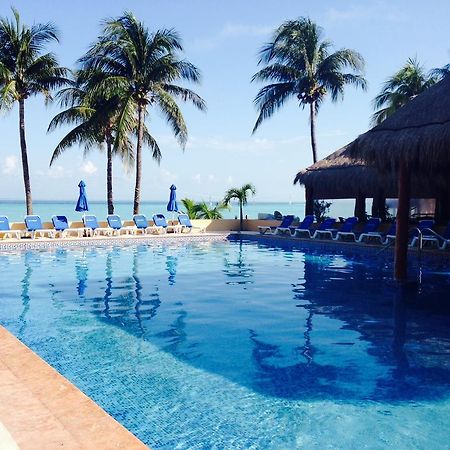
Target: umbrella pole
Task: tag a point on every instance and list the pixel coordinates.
(401, 238)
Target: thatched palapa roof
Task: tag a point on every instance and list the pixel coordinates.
(418, 133)
(341, 176)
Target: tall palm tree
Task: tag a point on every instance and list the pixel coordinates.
(25, 71)
(299, 63)
(145, 67)
(99, 120)
(241, 195)
(400, 88)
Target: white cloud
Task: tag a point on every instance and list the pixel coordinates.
(10, 165)
(232, 31)
(211, 177)
(88, 168)
(197, 178)
(167, 176)
(377, 10)
(239, 30)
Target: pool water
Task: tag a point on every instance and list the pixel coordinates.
(240, 345)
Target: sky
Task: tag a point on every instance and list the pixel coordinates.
(222, 39)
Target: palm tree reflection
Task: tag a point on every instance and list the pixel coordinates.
(239, 271)
(25, 294)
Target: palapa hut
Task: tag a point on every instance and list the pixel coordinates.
(415, 140)
(340, 176)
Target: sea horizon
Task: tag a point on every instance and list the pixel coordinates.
(15, 210)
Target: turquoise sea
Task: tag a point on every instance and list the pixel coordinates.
(15, 210)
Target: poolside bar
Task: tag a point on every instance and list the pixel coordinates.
(413, 143)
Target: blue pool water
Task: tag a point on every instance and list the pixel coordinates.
(240, 345)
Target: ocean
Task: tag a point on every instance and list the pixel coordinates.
(15, 210)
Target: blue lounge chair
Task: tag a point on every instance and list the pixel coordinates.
(326, 225)
(425, 227)
(90, 222)
(143, 226)
(283, 228)
(160, 221)
(35, 228)
(347, 227)
(380, 238)
(435, 239)
(185, 222)
(5, 229)
(303, 230)
(325, 229)
(371, 226)
(115, 223)
(445, 238)
(61, 225)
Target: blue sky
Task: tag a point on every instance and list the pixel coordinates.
(222, 39)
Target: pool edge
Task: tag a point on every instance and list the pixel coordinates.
(41, 409)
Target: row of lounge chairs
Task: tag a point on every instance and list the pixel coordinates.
(370, 232)
(61, 228)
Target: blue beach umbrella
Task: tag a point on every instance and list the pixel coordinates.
(82, 203)
(172, 205)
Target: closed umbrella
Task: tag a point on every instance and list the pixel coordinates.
(172, 206)
(82, 203)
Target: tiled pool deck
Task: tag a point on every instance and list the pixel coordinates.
(40, 409)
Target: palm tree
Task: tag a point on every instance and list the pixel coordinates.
(299, 63)
(400, 88)
(191, 208)
(25, 71)
(210, 212)
(98, 120)
(144, 66)
(240, 194)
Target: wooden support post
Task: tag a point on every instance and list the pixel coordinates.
(360, 207)
(309, 202)
(379, 205)
(401, 238)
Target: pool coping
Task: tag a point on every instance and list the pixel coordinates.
(41, 409)
(71, 242)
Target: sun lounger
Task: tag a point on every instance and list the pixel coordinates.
(347, 229)
(378, 237)
(371, 226)
(303, 229)
(283, 228)
(115, 223)
(424, 227)
(445, 238)
(143, 226)
(35, 228)
(326, 230)
(61, 225)
(326, 225)
(5, 229)
(370, 230)
(435, 239)
(160, 221)
(90, 222)
(185, 222)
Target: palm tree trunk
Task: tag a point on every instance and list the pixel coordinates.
(312, 113)
(241, 216)
(137, 188)
(109, 176)
(23, 148)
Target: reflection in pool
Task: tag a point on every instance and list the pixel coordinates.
(239, 344)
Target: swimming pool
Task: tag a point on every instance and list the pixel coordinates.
(241, 344)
